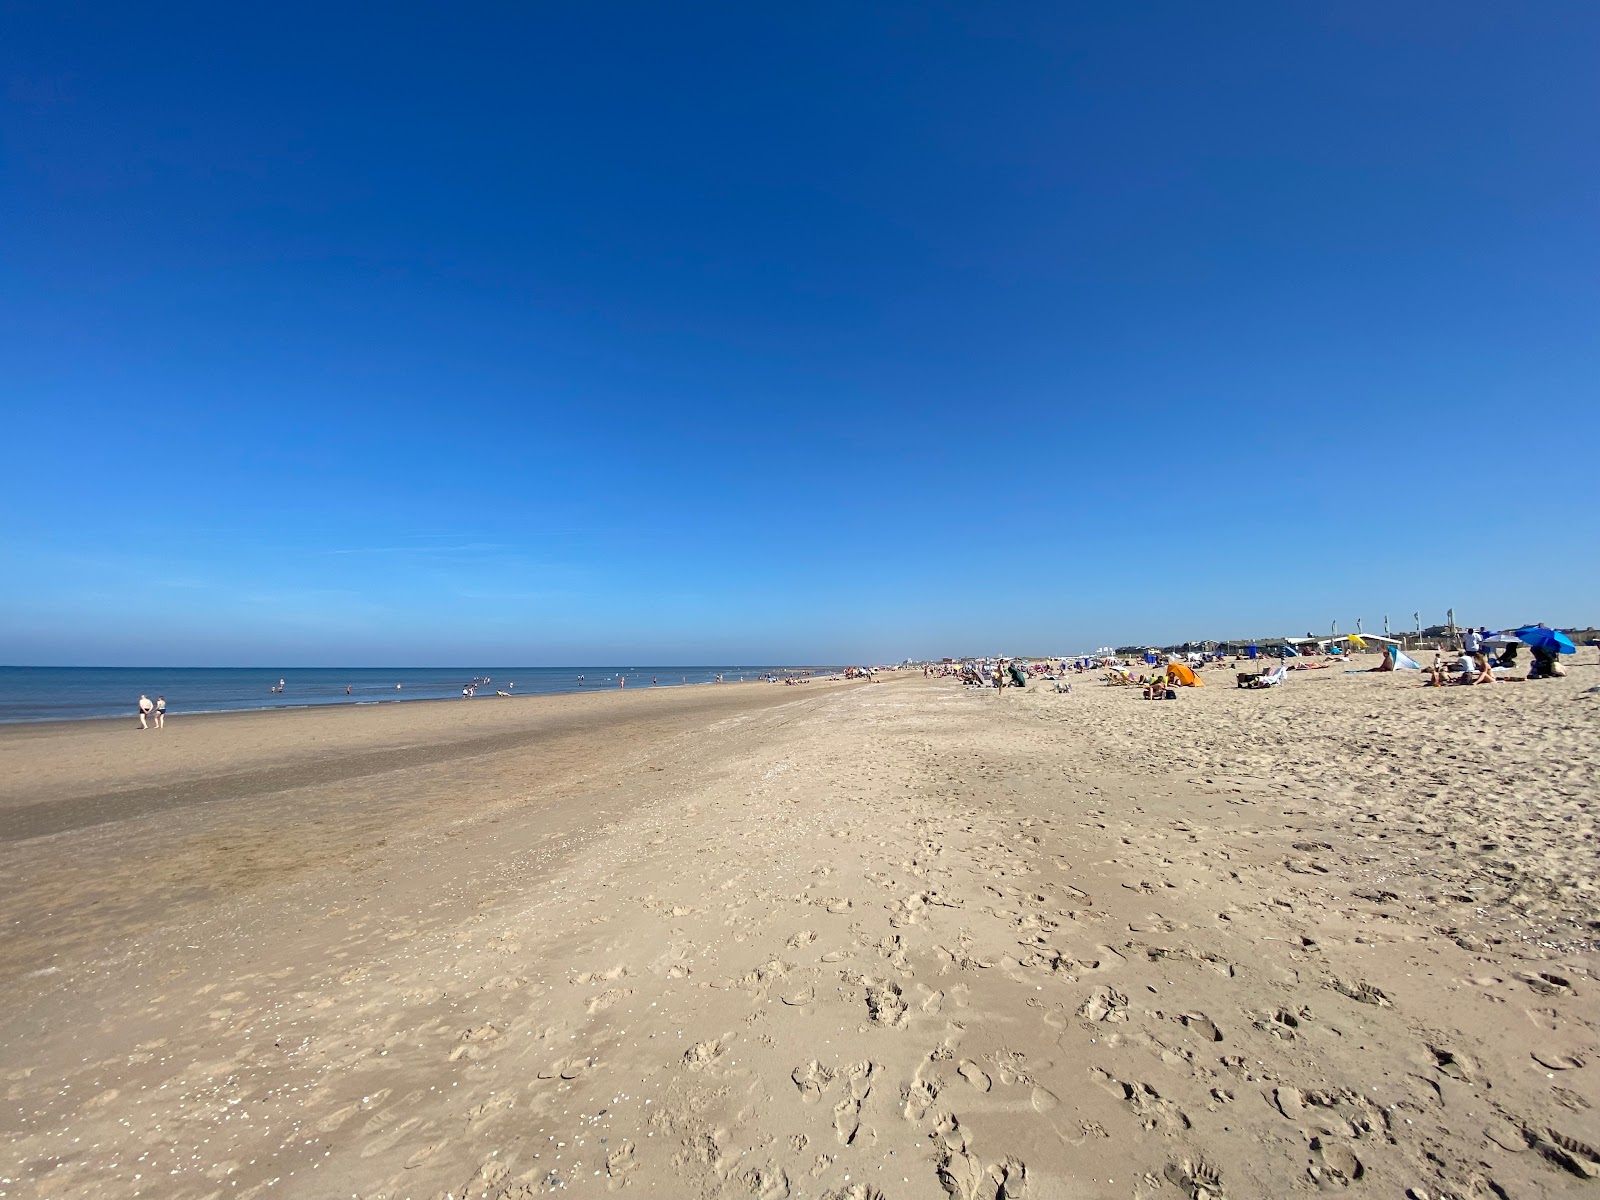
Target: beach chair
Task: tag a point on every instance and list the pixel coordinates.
(1273, 678)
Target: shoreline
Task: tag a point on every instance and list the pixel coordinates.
(335, 702)
(350, 702)
(92, 765)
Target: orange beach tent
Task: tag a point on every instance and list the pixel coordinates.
(1179, 673)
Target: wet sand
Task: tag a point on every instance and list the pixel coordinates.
(891, 940)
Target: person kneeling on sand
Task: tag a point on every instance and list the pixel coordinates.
(1160, 690)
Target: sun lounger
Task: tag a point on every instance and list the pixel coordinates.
(1271, 678)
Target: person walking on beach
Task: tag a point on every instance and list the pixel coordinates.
(161, 712)
(145, 708)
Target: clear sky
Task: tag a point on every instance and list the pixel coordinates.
(587, 333)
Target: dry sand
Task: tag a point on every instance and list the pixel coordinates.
(860, 941)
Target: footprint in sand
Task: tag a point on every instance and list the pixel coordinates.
(704, 1055)
(1338, 1161)
(1364, 992)
(1556, 1061)
(1105, 1004)
(337, 1118)
(607, 998)
(847, 1113)
(1458, 1066)
(1580, 1158)
(847, 1120)
(427, 1152)
(489, 1108)
(386, 1141)
(963, 1177)
(975, 1075)
(492, 1172)
(1196, 1178)
(1548, 985)
(620, 1163)
(610, 976)
(885, 1004)
(1199, 1023)
(861, 1075)
(1154, 1113)
(812, 1079)
(1291, 1102)
(566, 1068)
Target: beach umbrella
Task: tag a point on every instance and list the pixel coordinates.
(1502, 639)
(1540, 638)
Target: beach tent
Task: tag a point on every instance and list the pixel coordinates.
(1289, 651)
(1400, 661)
(1180, 673)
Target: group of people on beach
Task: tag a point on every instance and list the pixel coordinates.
(149, 711)
(1484, 661)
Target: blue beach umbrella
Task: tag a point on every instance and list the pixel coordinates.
(1541, 638)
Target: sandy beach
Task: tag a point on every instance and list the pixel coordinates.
(853, 941)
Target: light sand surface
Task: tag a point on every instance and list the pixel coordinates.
(845, 941)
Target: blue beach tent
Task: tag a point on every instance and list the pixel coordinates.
(1403, 661)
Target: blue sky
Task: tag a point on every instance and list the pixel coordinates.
(755, 333)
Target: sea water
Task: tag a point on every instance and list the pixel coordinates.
(75, 693)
